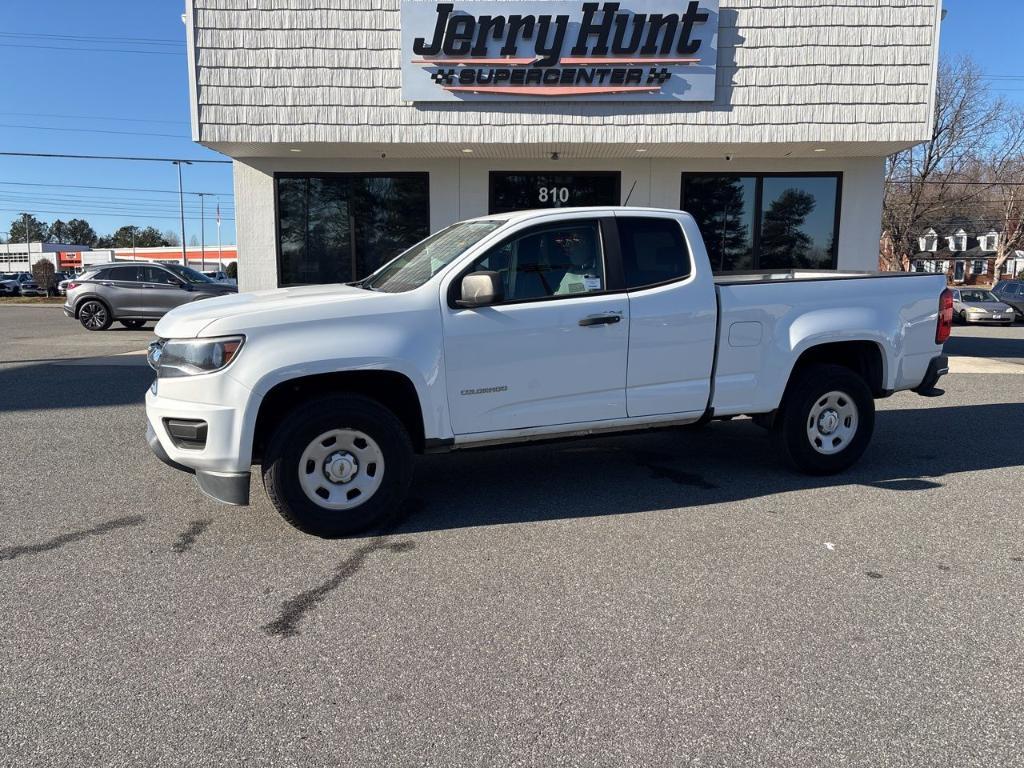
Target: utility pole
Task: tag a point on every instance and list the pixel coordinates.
(28, 244)
(220, 250)
(181, 211)
(135, 256)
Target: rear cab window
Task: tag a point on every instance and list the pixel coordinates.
(653, 250)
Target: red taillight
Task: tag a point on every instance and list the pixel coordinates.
(945, 324)
(71, 286)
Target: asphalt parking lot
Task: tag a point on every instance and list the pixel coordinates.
(669, 599)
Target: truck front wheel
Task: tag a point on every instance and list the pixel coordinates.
(338, 465)
(826, 420)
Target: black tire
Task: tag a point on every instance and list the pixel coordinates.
(132, 324)
(806, 395)
(299, 431)
(94, 315)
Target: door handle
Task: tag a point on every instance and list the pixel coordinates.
(609, 319)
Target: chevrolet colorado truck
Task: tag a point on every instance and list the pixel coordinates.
(520, 327)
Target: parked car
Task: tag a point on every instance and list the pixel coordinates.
(220, 276)
(9, 285)
(1011, 292)
(62, 285)
(132, 293)
(58, 278)
(527, 326)
(976, 305)
(22, 284)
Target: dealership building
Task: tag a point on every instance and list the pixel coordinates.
(358, 127)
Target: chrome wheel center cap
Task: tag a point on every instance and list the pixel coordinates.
(341, 467)
(828, 421)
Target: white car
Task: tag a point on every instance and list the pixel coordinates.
(980, 305)
(526, 326)
(219, 276)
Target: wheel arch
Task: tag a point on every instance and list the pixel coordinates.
(394, 390)
(865, 357)
(93, 297)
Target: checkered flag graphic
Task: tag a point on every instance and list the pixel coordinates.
(443, 76)
(658, 76)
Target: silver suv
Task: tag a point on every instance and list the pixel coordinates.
(132, 293)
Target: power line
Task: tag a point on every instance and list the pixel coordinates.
(91, 50)
(100, 38)
(113, 157)
(190, 217)
(93, 117)
(97, 130)
(114, 189)
(156, 206)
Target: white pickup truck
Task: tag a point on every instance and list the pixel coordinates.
(526, 326)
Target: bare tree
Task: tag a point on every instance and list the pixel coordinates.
(925, 184)
(1001, 178)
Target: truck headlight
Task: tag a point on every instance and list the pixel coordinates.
(190, 357)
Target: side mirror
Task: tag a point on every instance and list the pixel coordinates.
(481, 289)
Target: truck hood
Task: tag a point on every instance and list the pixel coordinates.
(235, 313)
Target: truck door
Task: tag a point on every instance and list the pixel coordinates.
(673, 316)
(554, 352)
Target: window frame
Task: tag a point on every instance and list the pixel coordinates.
(607, 238)
(491, 178)
(278, 175)
(759, 177)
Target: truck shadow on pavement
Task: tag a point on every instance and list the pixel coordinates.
(911, 452)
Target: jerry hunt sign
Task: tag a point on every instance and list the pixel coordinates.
(479, 50)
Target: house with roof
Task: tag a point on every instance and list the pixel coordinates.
(964, 259)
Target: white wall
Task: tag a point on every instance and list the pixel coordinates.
(459, 190)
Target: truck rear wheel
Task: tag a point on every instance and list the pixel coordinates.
(826, 420)
(338, 465)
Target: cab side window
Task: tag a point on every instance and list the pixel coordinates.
(123, 274)
(157, 275)
(653, 251)
(552, 261)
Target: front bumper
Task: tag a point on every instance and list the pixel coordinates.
(220, 469)
(225, 487)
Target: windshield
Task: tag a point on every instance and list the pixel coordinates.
(979, 296)
(186, 274)
(415, 266)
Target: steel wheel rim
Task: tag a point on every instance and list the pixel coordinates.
(832, 423)
(341, 469)
(95, 315)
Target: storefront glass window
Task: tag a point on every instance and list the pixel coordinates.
(335, 228)
(724, 206)
(520, 191)
(769, 221)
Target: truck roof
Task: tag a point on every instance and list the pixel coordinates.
(532, 213)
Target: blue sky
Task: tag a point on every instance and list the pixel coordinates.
(83, 92)
(63, 100)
